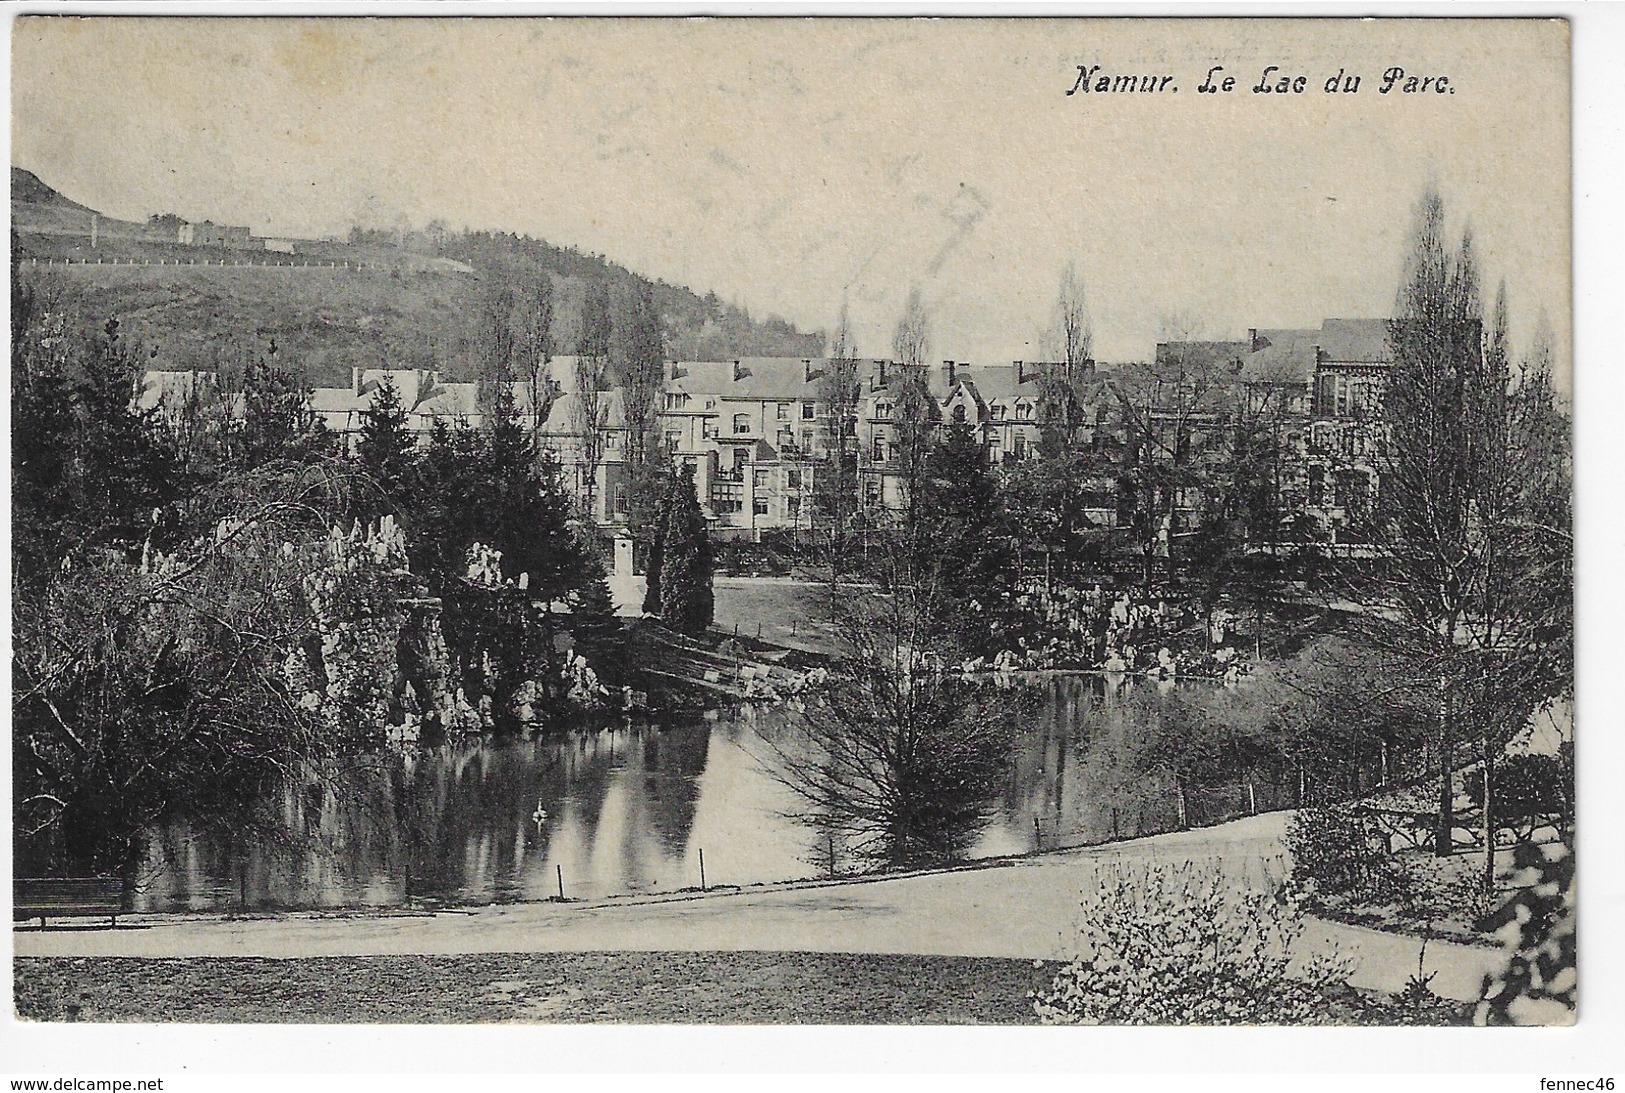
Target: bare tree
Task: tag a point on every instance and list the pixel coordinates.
(592, 381)
(897, 755)
(1062, 377)
(1475, 505)
(497, 346)
(916, 411)
(837, 484)
(536, 343)
(1071, 334)
(1170, 410)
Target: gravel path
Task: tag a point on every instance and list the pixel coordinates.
(1022, 909)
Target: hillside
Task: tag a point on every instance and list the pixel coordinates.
(413, 302)
(27, 188)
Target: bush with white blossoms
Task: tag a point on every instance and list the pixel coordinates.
(1185, 944)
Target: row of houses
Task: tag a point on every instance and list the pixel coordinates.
(758, 432)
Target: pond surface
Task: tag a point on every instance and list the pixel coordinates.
(630, 809)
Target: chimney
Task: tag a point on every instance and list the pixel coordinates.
(1315, 350)
(355, 380)
(1020, 371)
(882, 380)
(948, 374)
(739, 371)
(1088, 366)
(1252, 339)
(806, 370)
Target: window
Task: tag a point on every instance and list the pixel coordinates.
(792, 507)
(676, 400)
(761, 477)
(1021, 447)
(620, 499)
(809, 410)
(792, 479)
(725, 497)
(883, 409)
(1024, 410)
(879, 452)
(674, 439)
(783, 411)
(993, 449)
(1325, 396)
(741, 424)
(741, 457)
(959, 413)
(759, 506)
(708, 429)
(998, 412)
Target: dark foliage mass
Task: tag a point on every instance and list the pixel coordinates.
(191, 619)
(1336, 853)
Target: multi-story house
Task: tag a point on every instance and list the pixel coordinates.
(1318, 393)
(755, 431)
(758, 434)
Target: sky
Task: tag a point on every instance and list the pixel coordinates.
(792, 164)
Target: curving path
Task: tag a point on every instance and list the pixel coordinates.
(1022, 908)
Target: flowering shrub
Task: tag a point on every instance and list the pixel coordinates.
(1537, 925)
(1187, 945)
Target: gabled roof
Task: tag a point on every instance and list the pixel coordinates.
(997, 382)
(783, 379)
(972, 392)
(1356, 341)
(421, 395)
(1281, 356)
(561, 415)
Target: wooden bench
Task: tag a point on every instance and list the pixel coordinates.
(67, 897)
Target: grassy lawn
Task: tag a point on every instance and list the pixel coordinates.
(1443, 899)
(640, 988)
(563, 988)
(791, 614)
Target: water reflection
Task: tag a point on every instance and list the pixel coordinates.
(627, 810)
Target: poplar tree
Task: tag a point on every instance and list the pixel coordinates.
(1475, 503)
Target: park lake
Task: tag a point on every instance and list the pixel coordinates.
(628, 808)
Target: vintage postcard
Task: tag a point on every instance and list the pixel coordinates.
(792, 521)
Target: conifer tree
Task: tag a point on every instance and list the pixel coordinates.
(597, 630)
(277, 419)
(384, 451)
(686, 600)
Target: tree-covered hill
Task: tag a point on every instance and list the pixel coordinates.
(416, 301)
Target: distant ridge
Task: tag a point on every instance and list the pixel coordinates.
(195, 307)
(27, 188)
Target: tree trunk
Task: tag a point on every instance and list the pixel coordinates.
(1489, 819)
(1444, 827)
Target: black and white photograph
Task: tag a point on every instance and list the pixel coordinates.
(792, 521)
